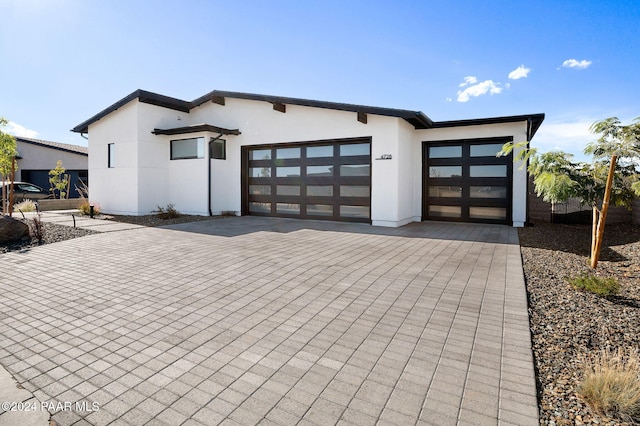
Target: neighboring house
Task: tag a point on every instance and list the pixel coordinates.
(37, 157)
(248, 154)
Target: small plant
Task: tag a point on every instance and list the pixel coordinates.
(36, 228)
(601, 286)
(168, 212)
(85, 208)
(611, 384)
(59, 181)
(85, 205)
(25, 206)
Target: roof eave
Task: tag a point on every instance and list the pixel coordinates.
(536, 121)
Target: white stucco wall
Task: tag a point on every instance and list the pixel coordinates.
(115, 189)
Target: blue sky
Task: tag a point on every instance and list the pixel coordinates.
(576, 61)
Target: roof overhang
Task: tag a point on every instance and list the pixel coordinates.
(416, 118)
(142, 96)
(195, 128)
(533, 122)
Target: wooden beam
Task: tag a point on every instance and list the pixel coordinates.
(279, 107)
(217, 100)
(362, 117)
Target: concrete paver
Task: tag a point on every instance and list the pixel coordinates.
(262, 320)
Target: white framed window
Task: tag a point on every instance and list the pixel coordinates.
(111, 155)
(185, 149)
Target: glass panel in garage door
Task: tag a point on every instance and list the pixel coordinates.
(488, 171)
(260, 154)
(488, 213)
(320, 151)
(355, 170)
(255, 207)
(445, 171)
(485, 150)
(320, 190)
(319, 210)
(320, 170)
(445, 211)
(354, 149)
(451, 151)
(354, 211)
(488, 192)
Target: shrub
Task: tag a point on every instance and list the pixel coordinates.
(85, 207)
(25, 206)
(168, 212)
(36, 228)
(600, 286)
(611, 384)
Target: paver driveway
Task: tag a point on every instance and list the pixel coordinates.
(273, 321)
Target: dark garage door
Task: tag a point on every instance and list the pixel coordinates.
(464, 181)
(328, 180)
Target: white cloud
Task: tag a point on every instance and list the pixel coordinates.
(520, 72)
(574, 63)
(468, 80)
(487, 86)
(16, 129)
(448, 99)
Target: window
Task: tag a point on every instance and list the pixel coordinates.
(218, 149)
(183, 149)
(111, 153)
(445, 151)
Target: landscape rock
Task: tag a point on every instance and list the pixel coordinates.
(12, 229)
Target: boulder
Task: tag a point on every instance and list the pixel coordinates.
(12, 229)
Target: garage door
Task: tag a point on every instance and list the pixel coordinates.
(464, 181)
(328, 180)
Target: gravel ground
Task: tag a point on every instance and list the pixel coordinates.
(567, 324)
(154, 220)
(52, 233)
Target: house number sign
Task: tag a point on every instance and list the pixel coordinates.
(385, 157)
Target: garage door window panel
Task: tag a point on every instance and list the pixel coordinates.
(324, 151)
(349, 150)
(320, 210)
(485, 150)
(287, 171)
(319, 171)
(287, 153)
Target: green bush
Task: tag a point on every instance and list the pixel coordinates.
(25, 206)
(168, 212)
(600, 286)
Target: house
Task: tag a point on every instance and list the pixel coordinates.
(249, 154)
(37, 157)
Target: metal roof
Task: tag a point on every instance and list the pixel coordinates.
(76, 149)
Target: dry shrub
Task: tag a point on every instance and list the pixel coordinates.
(25, 206)
(611, 384)
(85, 208)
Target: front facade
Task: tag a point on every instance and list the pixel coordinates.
(246, 154)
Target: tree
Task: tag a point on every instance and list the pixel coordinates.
(8, 152)
(612, 177)
(59, 181)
